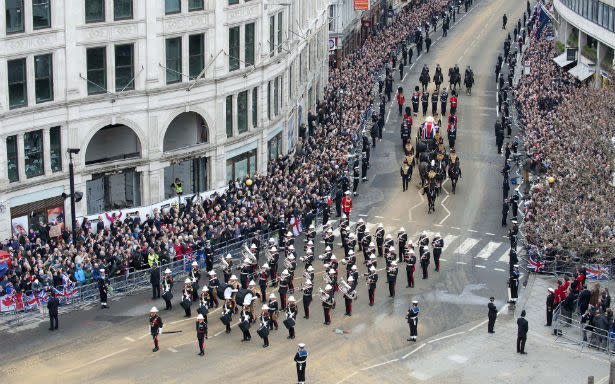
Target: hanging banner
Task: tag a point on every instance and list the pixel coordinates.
(19, 224)
(361, 5)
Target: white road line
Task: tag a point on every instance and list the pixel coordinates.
(471, 230)
(224, 330)
(455, 227)
(466, 245)
(388, 114)
(378, 365)
(141, 337)
(448, 213)
(438, 225)
(448, 239)
(490, 234)
(404, 79)
(462, 263)
(478, 325)
(379, 217)
(347, 377)
(363, 215)
(441, 259)
(505, 256)
(480, 266)
(499, 269)
(445, 337)
(172, 349)
(488, 250)
(96, 360)
(129, 339)
(414, 350)
(182, 320)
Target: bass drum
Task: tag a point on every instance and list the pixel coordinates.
(243, 297)
(221, 289)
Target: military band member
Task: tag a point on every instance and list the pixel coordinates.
(186, 302)
(349, 261)
(392, 278)
(308, 259)
(327, 303)
(273, 263)
(360, 232)
(333, 279)
(372, 279)
(195, 276)
(300, 361)
(307, 298)
(329, 238)
(227, 312)
(201, 333)
(402, 238)
(350, 243)
(245, 270)
(284, 281)
(291, 313)
(388, 242)
(437, 243)
(425, 260)
(236, 287)
(423, 242)
(227, 270)
(310, 273)
(390, 257)
(245, 318)
(348, 295)
(263, 281)
(204, 303)
(291, 273)
(413, 320)
(367, 243)
(155, 326)
(213, 286)
(380, 239)
(273, 310)
(410, 267)
(263, 328)
(372, 261)
(167, 289)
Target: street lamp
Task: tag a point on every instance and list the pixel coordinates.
(74, 196)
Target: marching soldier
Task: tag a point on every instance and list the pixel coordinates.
(244, 273)
(354, 274)
(360, 232)
(410, 267)
(425, 101)
(245, 318)
(274, 311)
(454, 103)
(348, 295)
(264, 321)
(434, 103)
(513, 283)
(227, 313)
(423, 242)
(443, 101)
(204, 303)
(451, 131)
(350, 261)
(155, 326)
(291, 317)
(347, 205)
(201, 333)
(167, 287)
(402, 239)
(284, 281)
(195, 276)
(186, 302)
(380, 238)
(425, 262)
(213, 286)
(405, 174)
(227, 270)
(437, 244)
(413, 320)
(300, 361)
(329, 238)
(307, 298)
(416, 96)
(273, 263)
(263, 281)
(372, 278)
(388, 242)
(392, 278)
(327, 303)
(291, 272)
(103, 288)
(356, 177)
(367, 243)
(333, 279)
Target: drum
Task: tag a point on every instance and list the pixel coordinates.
(243, 297)
(186, 303)
(289, 323)
(226, 319)
(244, 326)
(203, 310)
(263, 331)
(167, 296)
(221, 289)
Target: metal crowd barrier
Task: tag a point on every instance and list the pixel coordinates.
(587, 337)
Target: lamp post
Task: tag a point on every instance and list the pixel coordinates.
(71, 175)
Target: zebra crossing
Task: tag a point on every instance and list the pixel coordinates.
(461, 246)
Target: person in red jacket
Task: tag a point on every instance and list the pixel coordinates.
(347, 205)
(454, 103)
(401, 99)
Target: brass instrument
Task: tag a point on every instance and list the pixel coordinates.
(324, 297)
(247, 254)
(269, 256)
(347, 290)
(326, 278)
(369, 279)
(287, 263)
(306, 274)
(226, 268)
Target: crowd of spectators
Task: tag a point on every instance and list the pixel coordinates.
(295, 185)
(568, 131)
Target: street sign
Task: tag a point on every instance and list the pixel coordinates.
(361, 5)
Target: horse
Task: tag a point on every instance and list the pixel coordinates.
(440, 176)
(431, 189)
(424, 79)
(437, 78)
(468, 81)
(453, 173)
(423, 171)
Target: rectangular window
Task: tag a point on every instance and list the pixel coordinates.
(196, 50)
(290, 81)
(269, 100)
(242, 112)
(229, 116)
(122, 9)
(275, 147)
(172, 6)
(97, 70)
(249, 44)
(174, 60)
(280, 32)
(241, 165)
(11, 157)
(233, 2)
(55, 149)
(276, 96)
(271, 36)
(94, 11)
(41, 14)
(331, 18)
(14, 16)
(124, 68)
(195, 5)
(233, 48)
(17, 83)
(255, 107)
(43, 78)
(33, 153)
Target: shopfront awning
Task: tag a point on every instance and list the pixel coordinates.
(582, 71)
(562, 61)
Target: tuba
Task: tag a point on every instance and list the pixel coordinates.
(247, 254)
(324, 297)
(347, 290)
(226, 268)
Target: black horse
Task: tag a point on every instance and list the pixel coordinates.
(453, 173)
(437, 78)
(424, 171)
(431, 189)
(468, 82)
(424, 79)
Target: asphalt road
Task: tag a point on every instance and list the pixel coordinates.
(114, 345)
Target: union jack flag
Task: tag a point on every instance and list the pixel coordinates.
(535, 265)
(67, 292)
(43, 297)
(428, 130)
(32, 301)
(597, 271)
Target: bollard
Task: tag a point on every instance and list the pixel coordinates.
(590, 380)
(612, 373)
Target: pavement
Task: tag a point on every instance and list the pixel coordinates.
(113, 345)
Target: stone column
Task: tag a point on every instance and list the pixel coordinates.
(46, 152)
(600, 54)
(21, 164)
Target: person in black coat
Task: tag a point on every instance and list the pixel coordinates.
(550, 303)
(492, 315)
(52, 306)
(154, 279)
(583, 302)
(522, 328)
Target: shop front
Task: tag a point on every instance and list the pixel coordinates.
(30, 210)
(241, 162)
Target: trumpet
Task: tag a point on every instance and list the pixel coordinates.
(347, 290)
(325, 297)
(304, 287)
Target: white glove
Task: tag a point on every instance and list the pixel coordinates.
(160, 330)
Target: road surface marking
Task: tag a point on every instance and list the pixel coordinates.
(445, 337)
(438, 225)
(499, 269)
(224, 330)
(141, 337)
(480, 266)
(448, 213)
(347, 377)
(96, 360)
(471, 230)
(455, 227)
(378, 365)
(488, 250)
(388, 114)
(363, 215)
(466, 245)
(414, 350)
(129, 339)
(489, 233)
(448, 239)
(379, 217)
(478, 325)
(462, 263)
(441, 259)
(505, 256)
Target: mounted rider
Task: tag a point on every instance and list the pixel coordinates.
(454, 162)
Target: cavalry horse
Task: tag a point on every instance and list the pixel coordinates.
(453, 173)
(431, 189)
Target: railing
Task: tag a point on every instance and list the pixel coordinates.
(567, 327)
